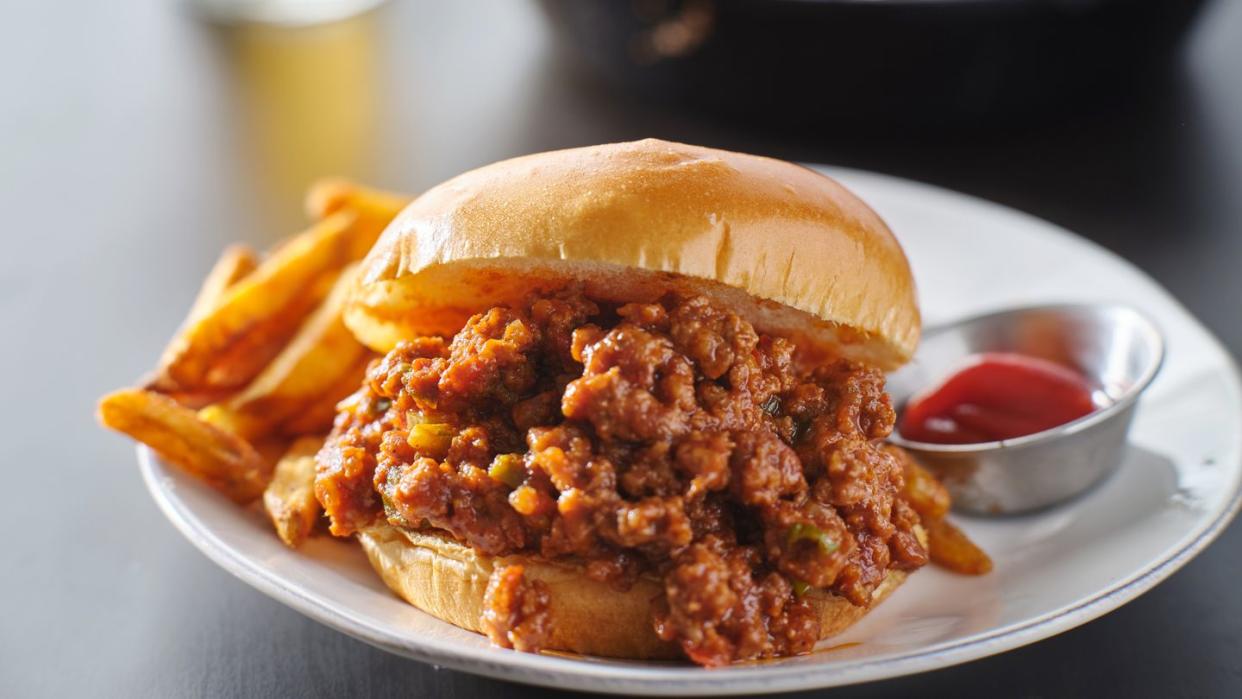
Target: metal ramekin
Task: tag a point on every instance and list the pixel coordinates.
(1115, 347)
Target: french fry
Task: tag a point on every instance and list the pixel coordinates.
(322, 353)
(925, 494)
(922, 490)
(375, 208)
(220, 416)
(272, 448)
(317, 416)
(329, 195)
(223, 460)
(234, 264)
(290, 498)
(261, 311)
(951, 548)
(190, 399)
(254, 350)
(948, 546)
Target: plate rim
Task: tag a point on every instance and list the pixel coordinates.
(569, 673)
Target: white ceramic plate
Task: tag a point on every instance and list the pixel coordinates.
(1176, 490)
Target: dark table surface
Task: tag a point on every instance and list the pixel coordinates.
(135, 141)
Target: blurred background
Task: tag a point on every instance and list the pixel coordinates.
(138, 137)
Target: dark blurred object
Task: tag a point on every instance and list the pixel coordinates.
(915, 62)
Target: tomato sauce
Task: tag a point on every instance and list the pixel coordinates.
(997, 396)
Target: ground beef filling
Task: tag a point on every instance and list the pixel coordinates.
(669, 438)
(516, 610)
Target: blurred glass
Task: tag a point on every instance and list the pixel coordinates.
(286, 12)
(307, 108)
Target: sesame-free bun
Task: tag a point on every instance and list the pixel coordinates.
(447, 580)
(790, 250)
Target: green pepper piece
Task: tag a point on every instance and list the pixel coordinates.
(507, 469)
(809, 532)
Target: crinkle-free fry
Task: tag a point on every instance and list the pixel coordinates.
(220, 458)
(375, 208)
(253, 351)
(320, 356)
(331, 194)
(951, 548)
(317, 416)
(926, 494)
(262, 309)
(290, 498)
(237, 261)
(232, 266)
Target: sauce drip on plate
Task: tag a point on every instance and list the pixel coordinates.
(998, 395)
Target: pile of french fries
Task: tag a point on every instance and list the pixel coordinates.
(247, 388)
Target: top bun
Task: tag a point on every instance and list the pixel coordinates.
(788, 249)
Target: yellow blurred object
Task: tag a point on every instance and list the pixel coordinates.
(308, 103)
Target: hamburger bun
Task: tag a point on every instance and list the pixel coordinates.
(447, 580)
(788, 249)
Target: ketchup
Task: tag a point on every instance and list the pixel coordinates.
(999, 395)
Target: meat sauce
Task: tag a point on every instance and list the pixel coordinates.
(667, 438)
(516, 609)
(997, 395)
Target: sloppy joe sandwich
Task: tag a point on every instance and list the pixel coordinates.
(630, 402)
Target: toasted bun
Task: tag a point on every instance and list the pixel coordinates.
(447, 580)
(788, 249)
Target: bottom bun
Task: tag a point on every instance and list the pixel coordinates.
(447, 580)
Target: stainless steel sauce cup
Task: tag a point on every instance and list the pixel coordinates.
(1116, 348)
